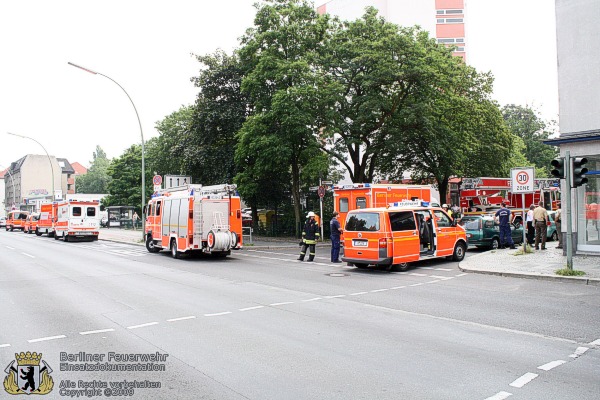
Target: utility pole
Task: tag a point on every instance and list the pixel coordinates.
(569, 214)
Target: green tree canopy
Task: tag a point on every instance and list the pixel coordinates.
(97, 178)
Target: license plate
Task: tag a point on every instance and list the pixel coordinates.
(360, 243)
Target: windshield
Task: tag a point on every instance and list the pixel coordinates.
(471, 224)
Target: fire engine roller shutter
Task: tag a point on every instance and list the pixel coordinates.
(183, 218)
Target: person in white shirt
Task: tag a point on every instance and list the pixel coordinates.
(530, 225)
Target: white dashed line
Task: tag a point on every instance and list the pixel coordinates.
(500, 396)
(217, 314)
(142, 325)
(579, 351)
(282, 304)
(358, 293)
(10, 248)
(437, 276)
(447, 278)
(436, 281)
(251, 308)
(595, 342)
(524, 380)
(461, 274)
(550, 365)
(47, 338)
(416, 284)
(426, 268)
(444, 269)
(313, 299)
(181, 318)
(417, 274)
(97, 331)
(379, 290)
(5, 345)
(28, 255)
(397, 287)
(337, 296)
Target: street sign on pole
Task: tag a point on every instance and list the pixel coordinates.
(522, 179)
(157, 180)
(321, 191)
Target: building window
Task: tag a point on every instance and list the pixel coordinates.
(450, 21)
(454, 11)
(445, 40)
(440, 21)
(460, 49)
(460, 40)
(439, 11)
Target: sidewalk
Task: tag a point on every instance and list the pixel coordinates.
(537, 265)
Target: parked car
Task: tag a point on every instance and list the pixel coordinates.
(552, 233)
(2, 222)
(483, 232)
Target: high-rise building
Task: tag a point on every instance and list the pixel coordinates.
(443, 19)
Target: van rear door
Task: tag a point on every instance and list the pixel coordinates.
(361, 236)
(405, 236)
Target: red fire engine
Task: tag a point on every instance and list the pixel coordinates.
(481, 195)
(194, 218)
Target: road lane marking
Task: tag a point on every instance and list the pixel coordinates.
(437, 276)
(28, 255)
(181, 318)
(46, 338)
(10, 248)
(142, 325)
(524, 380)
(5, 345)
(281, 304)
(417, 274)
(500, 396)
(358, 293)
(444, 269)
(436, 281)
(96, 331)
(217, 314)
(550, 365)
(461, 274)
(251, 308)
(397, 287)
(579, 351)
(595, 342)
(379, 290)
(426, 268)
(416, 284)
(337, 296)
(313, 299)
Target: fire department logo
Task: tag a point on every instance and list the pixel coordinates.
(28, 377)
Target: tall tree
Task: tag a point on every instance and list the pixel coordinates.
(97, 179)
(526, 123)
(281, 82)
(125, 188)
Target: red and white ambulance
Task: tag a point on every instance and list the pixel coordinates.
(194, 218)
(77, 219)
(47, 219)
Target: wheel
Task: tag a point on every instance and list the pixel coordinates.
(174, 252)
(495, 244)
(150, 246)
(459, 251)
(361, 266)
(55, 236)
(403, 267)
(38, 233)
(555, 236)
(65, 238)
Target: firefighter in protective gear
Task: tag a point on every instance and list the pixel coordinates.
(310, 234)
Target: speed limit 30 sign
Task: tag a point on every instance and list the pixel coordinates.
(522, 179)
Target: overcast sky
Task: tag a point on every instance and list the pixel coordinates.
(146, 47)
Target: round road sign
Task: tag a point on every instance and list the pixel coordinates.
(157, 179)
(321, 191)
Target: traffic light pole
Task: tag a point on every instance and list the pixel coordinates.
(569, 217)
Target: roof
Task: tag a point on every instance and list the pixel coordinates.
(585, 136)
(79, 169)
(2, 173)
(65, 165)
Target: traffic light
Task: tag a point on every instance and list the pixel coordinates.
(559, 168)
(579, 171)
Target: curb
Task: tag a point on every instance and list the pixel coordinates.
(569, 279)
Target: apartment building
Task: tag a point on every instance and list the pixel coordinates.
(443, 19)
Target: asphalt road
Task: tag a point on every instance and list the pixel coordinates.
(260, 325)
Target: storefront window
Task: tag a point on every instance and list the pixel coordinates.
(588, 212)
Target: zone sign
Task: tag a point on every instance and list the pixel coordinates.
(522, 179)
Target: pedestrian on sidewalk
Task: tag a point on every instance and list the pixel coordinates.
(540, 215)
(336, 231)
(310, 234)
(135, 219)
(530, 225)
(557, 221)
(503, 218)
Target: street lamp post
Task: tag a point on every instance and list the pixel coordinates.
(49, 159)
(141, 133)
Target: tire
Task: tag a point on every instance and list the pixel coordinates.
(403, 267)
(174, 253)
(65, 238)
(361, 266)
(150, 246)
(495, 244)
(55, 236)
(459, 251)
(554, 236)
(38, 233)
